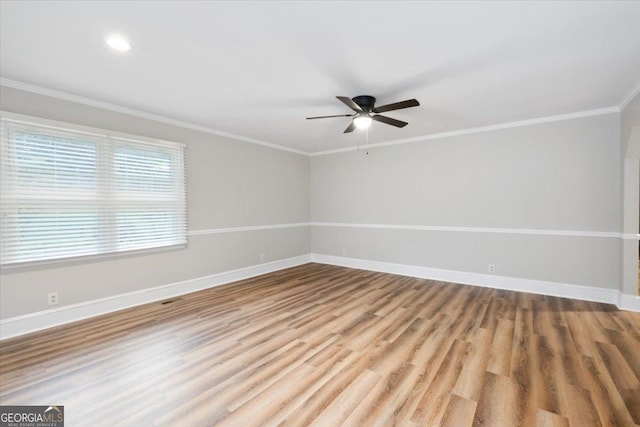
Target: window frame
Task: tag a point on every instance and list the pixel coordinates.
(15, 121)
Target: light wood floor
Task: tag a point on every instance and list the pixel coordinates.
(327, 346)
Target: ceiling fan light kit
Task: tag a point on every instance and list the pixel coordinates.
(362, 121)
(365, 112)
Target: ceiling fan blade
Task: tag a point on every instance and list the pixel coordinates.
(327, 117)
(397, 106)
(349, 103)
(350, 128)
(389, 121)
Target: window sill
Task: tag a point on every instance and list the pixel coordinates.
(85, 259)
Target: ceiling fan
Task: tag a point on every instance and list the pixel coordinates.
(366, 112)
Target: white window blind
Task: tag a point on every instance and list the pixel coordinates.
(67, 193)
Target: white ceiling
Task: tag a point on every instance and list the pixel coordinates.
(257, 69)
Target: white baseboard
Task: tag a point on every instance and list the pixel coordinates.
(629, 302)
(32, 322)
(565, 290)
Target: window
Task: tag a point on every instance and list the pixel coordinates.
(67, 193)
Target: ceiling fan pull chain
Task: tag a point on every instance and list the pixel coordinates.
(367, 145)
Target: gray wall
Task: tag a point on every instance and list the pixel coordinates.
(230, 184)
(553, 176)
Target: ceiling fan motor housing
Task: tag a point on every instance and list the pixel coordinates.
(365, 102)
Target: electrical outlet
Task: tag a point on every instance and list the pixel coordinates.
(52, 298)
(262, 257)
(344, 251)
(492, 268)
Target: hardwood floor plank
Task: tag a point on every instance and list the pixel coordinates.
(459, 412)
(623, 377)
(500, 358)
(434, 343)
(253, 410)
(585, 333)
(629, 348)
(497, 405)
(378, 407)
(568, 361)
(555, 311)
(601, 394)
(432, 406)
(317, 402)
(523, 372)
(346, 401)
(602, 313)
(546, 375)
(549, 419)
(308, 386)
(469, 382)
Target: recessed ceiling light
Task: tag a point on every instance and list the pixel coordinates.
(118, 43)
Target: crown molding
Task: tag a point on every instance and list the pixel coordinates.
(480, 129)
(635, 90)
(27, 87)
